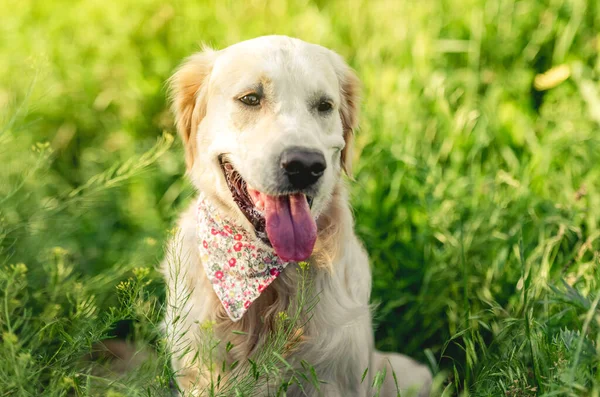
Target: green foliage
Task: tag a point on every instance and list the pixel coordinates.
(53, 315)
(477, 188)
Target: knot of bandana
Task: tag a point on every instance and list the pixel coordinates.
(238, 270)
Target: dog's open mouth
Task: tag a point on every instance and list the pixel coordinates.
(281, 221)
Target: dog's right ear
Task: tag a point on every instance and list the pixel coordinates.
(188, 92)
(349, 107)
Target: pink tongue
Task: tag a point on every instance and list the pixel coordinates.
(290, 226)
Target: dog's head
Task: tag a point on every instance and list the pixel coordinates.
(267, 126)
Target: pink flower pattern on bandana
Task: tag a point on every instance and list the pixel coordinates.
(238, 270)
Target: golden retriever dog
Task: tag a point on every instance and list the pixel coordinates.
(267, 125)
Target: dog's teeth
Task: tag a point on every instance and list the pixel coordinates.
(260, 205)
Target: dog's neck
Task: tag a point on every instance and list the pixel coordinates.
(240, 267)
(282, 295)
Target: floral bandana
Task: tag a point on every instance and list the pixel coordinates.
(238, 270)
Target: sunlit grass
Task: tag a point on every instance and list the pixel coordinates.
(477, 189)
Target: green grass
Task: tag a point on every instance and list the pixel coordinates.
(477, 189)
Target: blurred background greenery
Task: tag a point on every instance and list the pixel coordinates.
(477, 177)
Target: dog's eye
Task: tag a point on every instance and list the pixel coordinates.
(250, 100)
(324, 106)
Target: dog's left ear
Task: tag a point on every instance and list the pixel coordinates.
(188, 88)
(349, 108)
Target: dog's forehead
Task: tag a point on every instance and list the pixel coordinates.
(280, 60)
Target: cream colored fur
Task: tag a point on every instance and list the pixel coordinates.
(338, 339)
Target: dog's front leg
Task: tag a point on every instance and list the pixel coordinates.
(190, 301)
(414, 379)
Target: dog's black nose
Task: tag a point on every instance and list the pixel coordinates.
(303, 167)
